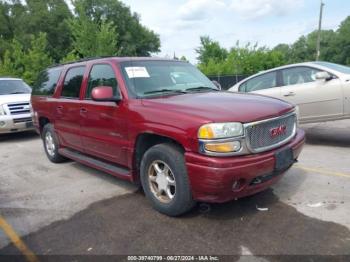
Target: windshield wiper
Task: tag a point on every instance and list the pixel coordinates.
(165, 91)
(199, 88)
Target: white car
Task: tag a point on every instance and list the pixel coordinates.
(15, 109)
(321, 90)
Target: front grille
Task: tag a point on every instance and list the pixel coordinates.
(22, 120)
(261, 135)
(19, 108)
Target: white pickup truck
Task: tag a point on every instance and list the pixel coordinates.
(15, 108)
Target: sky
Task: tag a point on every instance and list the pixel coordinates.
(180, 23)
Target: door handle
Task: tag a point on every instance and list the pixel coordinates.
(59, 108)
(290, 94)
(83, 110)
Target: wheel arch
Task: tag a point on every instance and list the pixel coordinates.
(145, 141)
(42, 122)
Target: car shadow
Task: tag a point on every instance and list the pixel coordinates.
(328, 134)
(104, 176)
(19, 137)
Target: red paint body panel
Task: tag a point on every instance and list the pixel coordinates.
(212, 178)
(109, 130)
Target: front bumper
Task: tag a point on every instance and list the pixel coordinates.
(219, 179)
(13, 124)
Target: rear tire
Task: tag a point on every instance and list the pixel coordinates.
(165, 181)
(51, 144)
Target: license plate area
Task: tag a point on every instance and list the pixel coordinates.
(29, 124)
(283, 159)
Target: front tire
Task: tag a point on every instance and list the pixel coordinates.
(51, 144)
(165, 181)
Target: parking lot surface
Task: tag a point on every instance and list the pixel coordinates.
(71, 209)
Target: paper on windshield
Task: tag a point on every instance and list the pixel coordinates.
(136, 72)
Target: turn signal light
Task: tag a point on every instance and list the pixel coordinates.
(223, 147)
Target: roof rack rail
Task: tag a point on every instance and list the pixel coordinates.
(80, 60)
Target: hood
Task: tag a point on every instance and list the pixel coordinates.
(221, 106)
(7, 99)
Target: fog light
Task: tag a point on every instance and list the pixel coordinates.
(2, 123)
(235, 185)
(227, 147)
(238, 184)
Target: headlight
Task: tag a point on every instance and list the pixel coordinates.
(220, 130)
(2, 111)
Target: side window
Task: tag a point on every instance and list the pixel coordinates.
(46, 82)
(72, 82)
(243, 87)
(102, 75)
(264, 81)
(299, 75)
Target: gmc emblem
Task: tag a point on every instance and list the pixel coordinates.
(278, 131)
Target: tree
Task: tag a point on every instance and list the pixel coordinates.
(21, 21)
(132, 39)
(26, 64)
(342, 43)
(36, 59)
(12, 63)
(304, 49)
(92, 38)
(70, 57)
(183, 58)
(210, 49)
(249, 59)
(284, 50)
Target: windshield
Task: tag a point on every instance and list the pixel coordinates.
(11, 87)
(340, 68)
(156, 78)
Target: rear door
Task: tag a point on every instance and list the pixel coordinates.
(265, 84)
(67, 109)
(317, 99)
(43, 90)
(103, 125)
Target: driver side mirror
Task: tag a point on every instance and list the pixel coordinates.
(217, 84)
(104, 94)
(323, 76)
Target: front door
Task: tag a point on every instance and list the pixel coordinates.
(103, 126)
(265, 84)
(317, 99)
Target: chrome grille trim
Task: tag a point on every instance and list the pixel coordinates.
(19, 108)
(22, 120)
(291, 123)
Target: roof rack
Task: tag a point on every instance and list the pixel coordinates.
(80, 60)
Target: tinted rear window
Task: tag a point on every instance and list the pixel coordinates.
(46, 82)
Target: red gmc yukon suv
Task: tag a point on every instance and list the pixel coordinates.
(163, 124)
